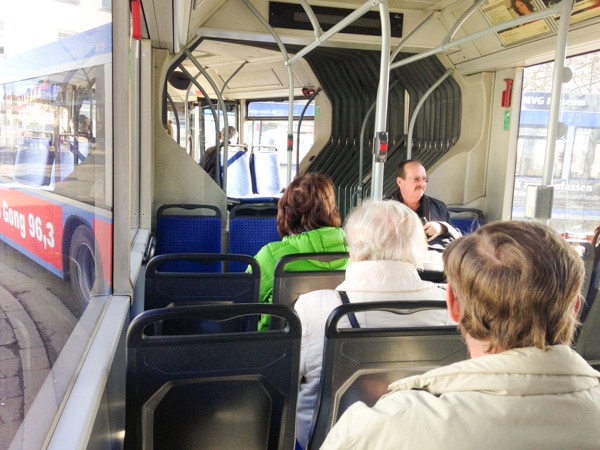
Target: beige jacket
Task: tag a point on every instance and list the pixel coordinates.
(519, 399)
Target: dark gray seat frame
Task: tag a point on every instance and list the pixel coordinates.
(223, 390)
(164, 287)
(358, 364)
(288, 284)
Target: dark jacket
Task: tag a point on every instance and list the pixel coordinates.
(209, 162)
(434, 210)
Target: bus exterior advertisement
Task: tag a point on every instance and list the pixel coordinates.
(35, 226)
(55, 186)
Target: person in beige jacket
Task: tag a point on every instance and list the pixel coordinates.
(514, 290)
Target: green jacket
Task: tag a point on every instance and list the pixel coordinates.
(326, 239)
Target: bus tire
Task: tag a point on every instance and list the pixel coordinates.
(84, 265)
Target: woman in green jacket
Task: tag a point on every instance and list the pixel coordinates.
(308, 221)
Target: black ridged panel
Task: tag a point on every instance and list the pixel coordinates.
(350, 80)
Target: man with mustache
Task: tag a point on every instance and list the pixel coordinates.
(412, 181)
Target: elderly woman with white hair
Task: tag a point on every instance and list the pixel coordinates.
(387, 245)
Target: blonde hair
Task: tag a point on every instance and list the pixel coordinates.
(516, 283)
(385, 230)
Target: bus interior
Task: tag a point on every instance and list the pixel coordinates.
(105, 129)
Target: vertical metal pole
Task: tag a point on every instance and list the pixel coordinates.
(557, 81)
(382, 98)
(290, 134)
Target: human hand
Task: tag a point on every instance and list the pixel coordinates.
(433, 230)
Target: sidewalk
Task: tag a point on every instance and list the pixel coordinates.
(23, 364)
(34, 326)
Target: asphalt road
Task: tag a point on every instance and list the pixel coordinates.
(37, 315)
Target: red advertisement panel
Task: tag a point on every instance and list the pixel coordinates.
(34, 224)
(103, 232)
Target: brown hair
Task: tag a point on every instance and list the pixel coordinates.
(516, 283)
(400, 170)
(308, 203)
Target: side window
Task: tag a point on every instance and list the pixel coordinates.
(193, 126)
(267, 126)
(1, 37)
(576, 173)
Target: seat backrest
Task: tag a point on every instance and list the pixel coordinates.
(265, 171)
(249, 232)
(587, 342)
(587, 252)
(164, 287)
(255, 209)
(34, 160)
(64, 157)
(212, 391)
(288, 283)
(466, 220)
(239, 177)
(359, 364)
(188, 228)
